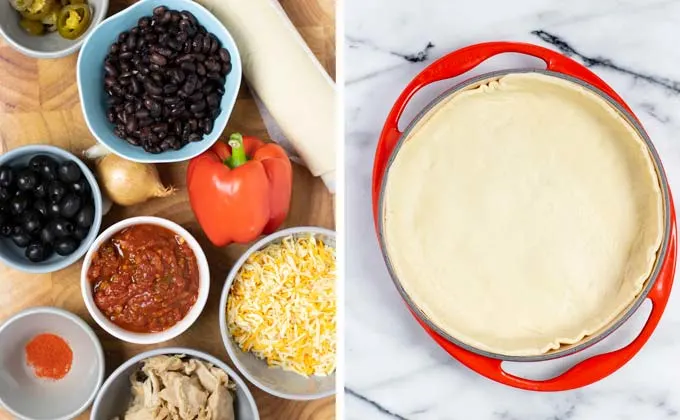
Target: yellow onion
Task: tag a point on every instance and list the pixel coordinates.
(125, 182)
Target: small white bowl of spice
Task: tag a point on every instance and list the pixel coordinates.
(278, 313)
(52, 364)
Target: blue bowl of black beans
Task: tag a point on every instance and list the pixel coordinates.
(159, 80)
(50, 208)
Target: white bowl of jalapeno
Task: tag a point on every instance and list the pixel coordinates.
(49, 28)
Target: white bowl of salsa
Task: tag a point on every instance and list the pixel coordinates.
(145, 280)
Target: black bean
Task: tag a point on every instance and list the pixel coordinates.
(207, 125)
(157, 77)
(110, 81)
(155, 67)
(166, 18)
(216, 77)
(195, 97)
(200, 69)
(184, 57)
(171, 100)
(188, 67)
(136, 86)
(225, 69)
(159, 127)
(176, 17)
(193, 124)
(160, 10)
(110, 70)
(206, 44)
(111, 115)
(122, 37)
(197, 44)
(197, 107)
(214, 44)
(157, 58)
(199, 57)
(188, 16)
(175, 45)
(152, 88)
(131, 42)
(169, 89)
(177, 111)
(212, 65)
(224, 55)
(125, 56)
(195, 137)
(131, 125)
(144, 22)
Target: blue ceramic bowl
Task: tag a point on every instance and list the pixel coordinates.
(91, 80)
(12, 255)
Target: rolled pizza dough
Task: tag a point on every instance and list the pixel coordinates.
(522, 214)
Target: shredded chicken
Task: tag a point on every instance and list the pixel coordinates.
(177, 388)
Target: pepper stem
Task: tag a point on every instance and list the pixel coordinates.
(238, 153)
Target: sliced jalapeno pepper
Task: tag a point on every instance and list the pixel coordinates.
(32, 27)
(50, 21)
(73, 20)
(20, 5)
(38, 10)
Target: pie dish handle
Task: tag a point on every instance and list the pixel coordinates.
(459, 62)
(590, 370)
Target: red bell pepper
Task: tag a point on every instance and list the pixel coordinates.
(240, 190)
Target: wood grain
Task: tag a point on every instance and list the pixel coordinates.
(39, 104)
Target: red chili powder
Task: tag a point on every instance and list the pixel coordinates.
(49, 355)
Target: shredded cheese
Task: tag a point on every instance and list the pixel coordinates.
(282, 306)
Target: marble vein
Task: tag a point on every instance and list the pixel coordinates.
(374, 404)
(566, 49)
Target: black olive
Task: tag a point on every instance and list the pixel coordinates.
(20, 237)
(5, 194)
(81, 232)
(41, 206)
(53, 209)
(6, 176)
(45, 166)
(6, 229)
(69, 172)
(81, 186)
(65, 246)
(26, 180)
(70, 206)
(37, 251)
(48, 233)
(63, 228)
(18, 203)
(40, 190)
(32, 221)
(85, 216)
(56, 190)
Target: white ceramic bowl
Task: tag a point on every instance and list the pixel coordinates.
(147, 338)
(115, 393)
(275, 381)
(50, 45)
(28, 397)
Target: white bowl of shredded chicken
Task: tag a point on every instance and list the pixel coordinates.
(278, 313)
(174, 384)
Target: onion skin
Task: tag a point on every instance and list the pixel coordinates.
(128, 183)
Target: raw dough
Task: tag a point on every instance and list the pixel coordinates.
(522, 214)
(286, 75)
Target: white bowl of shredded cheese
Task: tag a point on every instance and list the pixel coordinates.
(278, 313)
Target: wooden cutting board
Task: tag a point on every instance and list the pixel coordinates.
(39, 104)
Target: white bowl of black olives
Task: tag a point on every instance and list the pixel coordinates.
(50, 208)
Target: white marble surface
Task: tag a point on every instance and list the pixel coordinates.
(393, 369)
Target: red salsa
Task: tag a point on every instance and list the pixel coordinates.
(144, 278)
